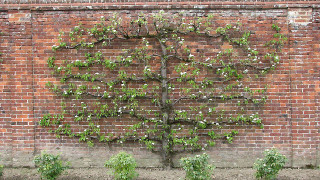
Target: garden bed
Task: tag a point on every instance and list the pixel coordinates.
(155, 174)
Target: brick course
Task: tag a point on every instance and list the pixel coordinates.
(291, 115)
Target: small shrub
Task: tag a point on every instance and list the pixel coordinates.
(270, 165)
(197, 167)
(1, 170)
(123, 166)
(49, 166)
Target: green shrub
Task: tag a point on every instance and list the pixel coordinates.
(49, 166)
(1, 170)
(123, 166)
(270, 165)
(197, 167)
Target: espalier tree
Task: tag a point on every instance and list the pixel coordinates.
(179, 84)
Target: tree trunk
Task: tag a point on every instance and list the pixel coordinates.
(165, 110)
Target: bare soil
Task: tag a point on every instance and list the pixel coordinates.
(159, 174)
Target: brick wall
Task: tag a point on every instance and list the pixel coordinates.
(291, 114)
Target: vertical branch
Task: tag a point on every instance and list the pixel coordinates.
(166, 145)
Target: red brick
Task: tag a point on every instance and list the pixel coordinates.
(291, 115)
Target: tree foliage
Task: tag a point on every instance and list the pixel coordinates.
(170, 81)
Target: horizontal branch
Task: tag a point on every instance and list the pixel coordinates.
(116, 81)
(256, 67)
(189, 150)
(218, 66)
(130, 138)
(210, 124)
(125, 37)
(183, 79)
(132, 114)
(117, 138)
(177, 31)
(188, 121)
(113, 96)
(198, 98)
(96, 42)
